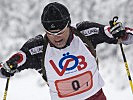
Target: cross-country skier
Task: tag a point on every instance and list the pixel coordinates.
(66, 55)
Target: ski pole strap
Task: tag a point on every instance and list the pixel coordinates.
(115, 20)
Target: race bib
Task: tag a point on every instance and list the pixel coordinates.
(74, 85)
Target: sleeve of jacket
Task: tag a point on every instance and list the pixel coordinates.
(129, 39)
(97, 33)
(33, 49)
(30, 55)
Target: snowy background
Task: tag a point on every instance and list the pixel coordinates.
(20, 20)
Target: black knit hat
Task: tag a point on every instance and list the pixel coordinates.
(55, 16)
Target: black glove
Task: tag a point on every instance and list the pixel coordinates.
(10, 67)
(5, 73)
(116, 28)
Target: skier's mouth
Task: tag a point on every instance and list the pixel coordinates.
(59, 41)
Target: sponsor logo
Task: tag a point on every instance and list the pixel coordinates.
(69, 63)
(90, 31)
(52, 26)
(36, 50)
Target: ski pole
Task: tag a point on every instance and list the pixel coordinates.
(124, 57)
(126, 66)
(6, 88)
(7, 85)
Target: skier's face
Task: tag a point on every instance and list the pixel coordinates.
(60, 39)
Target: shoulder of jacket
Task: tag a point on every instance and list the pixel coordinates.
(36, 39)
(35, 43)
(87, 24)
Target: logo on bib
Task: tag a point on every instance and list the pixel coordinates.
(68, 63)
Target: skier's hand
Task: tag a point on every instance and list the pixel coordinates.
(117, 29)
(10, 67)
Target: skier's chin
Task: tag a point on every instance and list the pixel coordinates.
(60, 44)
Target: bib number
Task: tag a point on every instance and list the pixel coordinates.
(74, 85)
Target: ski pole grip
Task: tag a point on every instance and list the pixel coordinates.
(113, 22)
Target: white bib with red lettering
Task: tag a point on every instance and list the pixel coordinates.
(72, 72)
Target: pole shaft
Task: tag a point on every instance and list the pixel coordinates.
(126, 66)
(6, 88)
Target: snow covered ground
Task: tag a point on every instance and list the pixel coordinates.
(28, 85)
